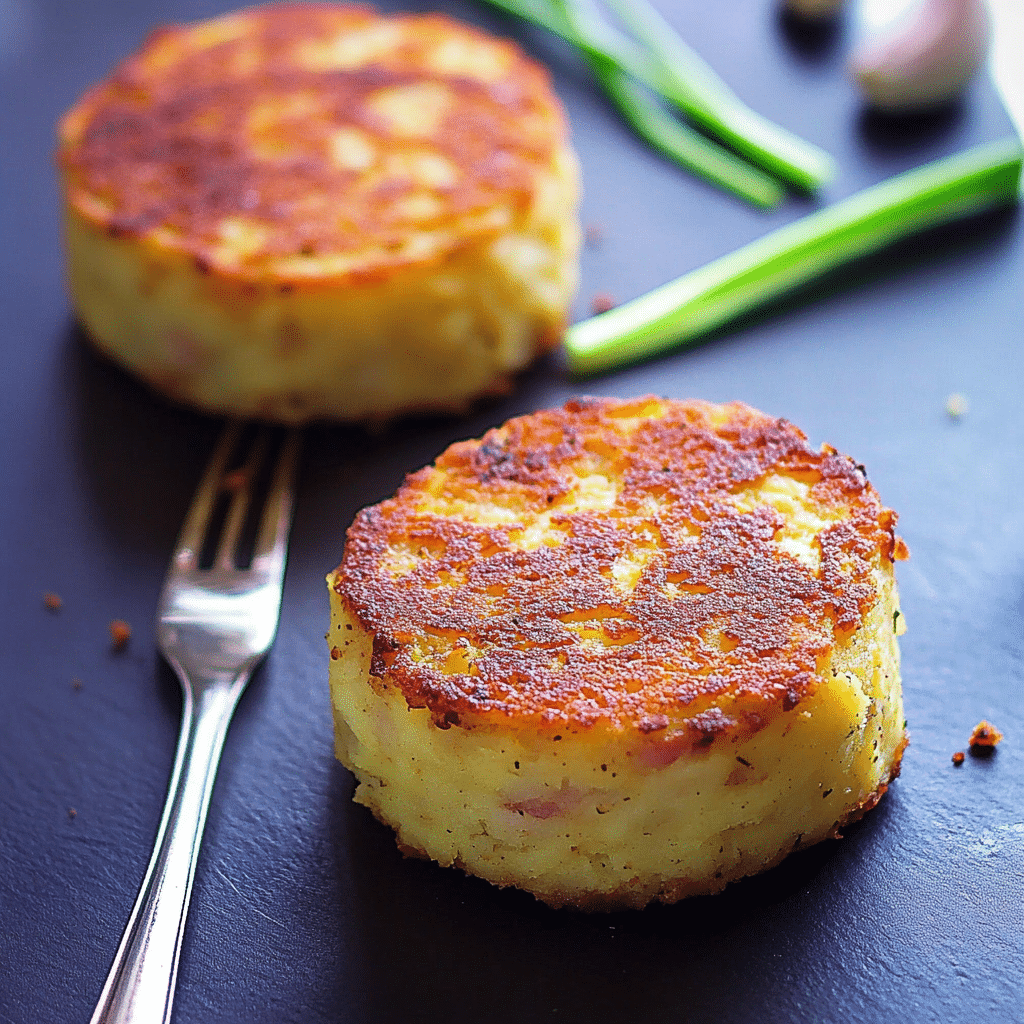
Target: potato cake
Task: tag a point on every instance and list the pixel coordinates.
(315, 211)
(621, 651)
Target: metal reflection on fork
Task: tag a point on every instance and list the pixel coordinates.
(215, 623)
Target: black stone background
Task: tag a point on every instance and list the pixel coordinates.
(303, 911)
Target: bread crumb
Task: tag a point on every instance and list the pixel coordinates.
(593, 235)
(602, 302)
(235, 480)
(76, 683)
(958, 758)
(72, 813)
(984, 738)
(53, 601)
(957, 406)
(120, 633)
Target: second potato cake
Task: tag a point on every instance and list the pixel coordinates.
(621, 651)
(315, 211)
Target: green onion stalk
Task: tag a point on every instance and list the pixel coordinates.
(967, 183)
(663, 64)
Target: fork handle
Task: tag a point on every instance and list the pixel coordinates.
(140, 986)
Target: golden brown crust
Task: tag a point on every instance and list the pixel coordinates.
(291, 124)
(984, 737)
(722, 631)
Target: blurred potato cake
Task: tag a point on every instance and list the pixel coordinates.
(315, 211)
(621, 651)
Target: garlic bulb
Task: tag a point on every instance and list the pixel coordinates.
(926, 58)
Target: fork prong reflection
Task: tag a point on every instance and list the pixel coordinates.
(272, 539)
(193, 532)
(241, 499)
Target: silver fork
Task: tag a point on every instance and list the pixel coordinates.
(214, 626)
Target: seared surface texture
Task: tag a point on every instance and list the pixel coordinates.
(312, 140)
(606, 563)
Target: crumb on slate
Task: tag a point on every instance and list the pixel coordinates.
(235, 480)
(76, 683)
(984, 738)
(958, 758)
(957, 405)
(53, 601)
(120, 634)
(72, 813)
(593, 235)
(602, 302)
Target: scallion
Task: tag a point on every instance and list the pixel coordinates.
(684, 145)
(677, 74)
(664, 132)
(958, 186)
(690, 83)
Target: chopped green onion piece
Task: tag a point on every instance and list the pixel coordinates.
(687, 147)
(958, 186)
(705, 97)
(689, 82)
(654, 124)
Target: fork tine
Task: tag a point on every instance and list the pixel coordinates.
(272, 539)
(239, 508)
(193, 531)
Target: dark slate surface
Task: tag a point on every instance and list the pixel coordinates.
(303, 911)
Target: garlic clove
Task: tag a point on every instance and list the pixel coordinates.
(925, 59)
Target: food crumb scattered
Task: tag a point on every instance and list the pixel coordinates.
(984, 738)
(120, 633)
(956, 405)
(958, 758)
(234, 481)
(593, 235)
(602, 302)
(53, 601)
(72, 813)
(76, 683)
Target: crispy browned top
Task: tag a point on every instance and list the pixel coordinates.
(312, 140)
(618, 562)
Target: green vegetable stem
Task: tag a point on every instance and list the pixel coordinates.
(664, 132)
(958, 186)
(663, 64)
(683, 78)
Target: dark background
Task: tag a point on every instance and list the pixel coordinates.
(303, 911)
